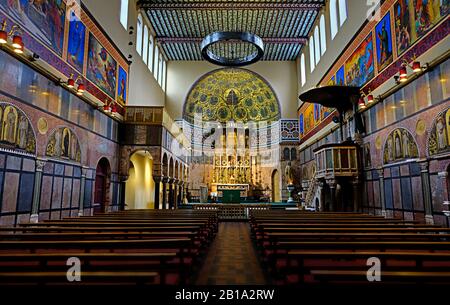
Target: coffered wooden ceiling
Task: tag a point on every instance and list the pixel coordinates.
(180, 25)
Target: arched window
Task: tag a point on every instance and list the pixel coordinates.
(323, 35)
(160, 69)
(293, 154)
(302, 69)
(124, 13)
(139, 34)
(286, 154)
(342, 11)
(317, 44)
(311, 53)
(150, 53)
(164, 75)
(333, 18)
(145, 51)
(156, 60)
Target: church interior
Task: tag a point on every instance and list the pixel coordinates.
(283, 143)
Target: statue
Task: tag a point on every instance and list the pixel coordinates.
(289, 174)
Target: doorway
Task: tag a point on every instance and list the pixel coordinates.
(102, 183)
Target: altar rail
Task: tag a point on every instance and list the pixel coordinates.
(232, 211)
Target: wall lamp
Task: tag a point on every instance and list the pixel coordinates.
(415, 66)
(15, 33)
(362, 104)
(110, 108)
(72, 82)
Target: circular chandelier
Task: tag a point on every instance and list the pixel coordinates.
(232, 48)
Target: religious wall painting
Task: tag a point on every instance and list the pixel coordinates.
(64, 144)
(325, 112)
(102, 67)
(340, 77)
(317, 108)
(439, 139)
(301, 124)
(122, 86)
(76, 42)
(414, 18)
(383, 38)
(400, 145)
(16, 131)
(359, 67)
(309, 118)
(43, 19)
(367, 155)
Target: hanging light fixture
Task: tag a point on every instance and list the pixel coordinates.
(370, 99)
(106, 108)
(114, 108)
(81, 89)
(403, 72)
(15, 32)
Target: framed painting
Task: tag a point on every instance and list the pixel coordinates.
(122, 86)
(44, 20)
(359, 67)
(384, 42)
(101, 68)
(76, 42)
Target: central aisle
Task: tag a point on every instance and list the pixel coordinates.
(231, 259)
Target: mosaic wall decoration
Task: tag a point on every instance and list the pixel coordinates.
(232, 94)
(414, 18)
(64, 144)
(289, 130)
(439, 140)
(400, 145)
(44, 19)
(16, 131)
(384, 42)
(76, 42)
(359, 67)
(102, 68)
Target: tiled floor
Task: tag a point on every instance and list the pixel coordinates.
(231, 259)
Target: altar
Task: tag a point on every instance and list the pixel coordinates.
(219, 188)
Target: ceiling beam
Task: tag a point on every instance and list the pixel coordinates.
(225, 5)
(268, 40)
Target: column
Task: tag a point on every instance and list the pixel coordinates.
(356, 195)
(122, 185)
(382, 198)
(157, 180)
(322, 197)
(332, 185)
(84, 170)
(34, 217)
(426, 189)
(175, 194)
(164, 198)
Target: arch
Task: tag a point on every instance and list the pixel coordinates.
(139, 27)
(317, 44)
(312, 61)
(231, 94)
(276, 194)
(333, 18)
(171, 169)
(102, 185)
(293, 154)
(286, 154)
(140, 186)
(165, 166)
(302, 69)
(16, 130)
(63, 144)
(399, 145)
(439, 135)
(323, 35)
(176, 172)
